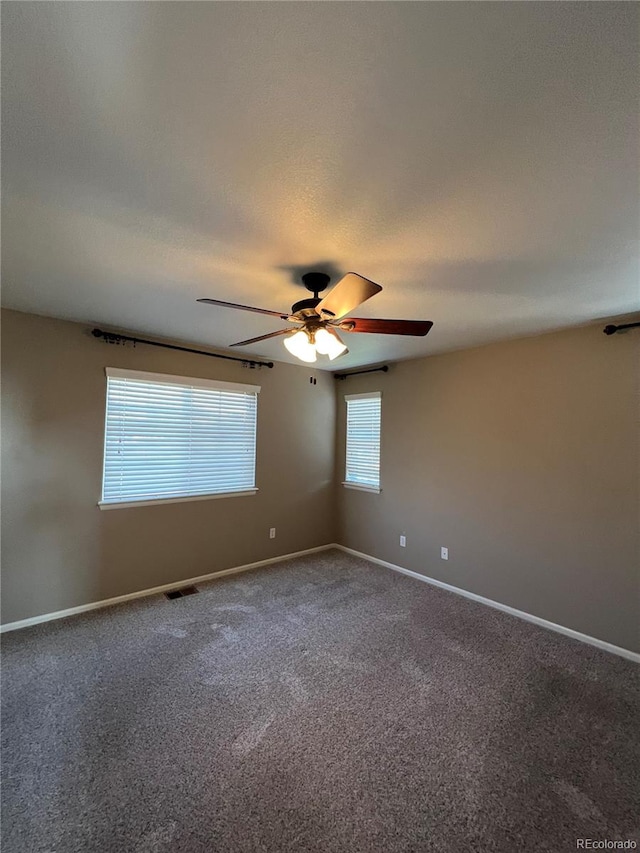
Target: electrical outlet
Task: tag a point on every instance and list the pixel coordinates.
(444, 553)
(272, 533)
(403, 541)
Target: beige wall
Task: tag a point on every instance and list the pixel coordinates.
(523, 459)
(59, 550)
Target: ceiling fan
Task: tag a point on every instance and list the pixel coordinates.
(318, 319)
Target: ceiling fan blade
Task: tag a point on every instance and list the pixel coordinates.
(263, 337)
(245, 308)
(352, 290)
(418, 328)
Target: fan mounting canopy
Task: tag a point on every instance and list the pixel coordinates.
(316, 281)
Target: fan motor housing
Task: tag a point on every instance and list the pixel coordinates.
(305, 305)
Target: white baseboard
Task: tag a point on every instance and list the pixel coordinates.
(505, 608)
(143, 593)
(528, 617)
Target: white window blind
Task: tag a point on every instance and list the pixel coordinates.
(173, 437)
(363, 440)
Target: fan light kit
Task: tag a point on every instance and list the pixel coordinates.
(305, 343)
(317, 319)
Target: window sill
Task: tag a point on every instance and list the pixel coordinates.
(361, 488)
(151, 502)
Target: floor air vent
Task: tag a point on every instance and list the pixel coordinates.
(178, 593)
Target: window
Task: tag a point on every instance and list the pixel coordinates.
(363, 441)
(168, 437)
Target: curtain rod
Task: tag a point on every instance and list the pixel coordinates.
(611, 330)
(115, 338)
(384, 369)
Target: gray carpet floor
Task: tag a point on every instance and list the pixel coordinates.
(321, 704)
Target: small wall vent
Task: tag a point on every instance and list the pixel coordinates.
(179, 593)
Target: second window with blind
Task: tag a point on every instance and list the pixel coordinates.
(362, 466)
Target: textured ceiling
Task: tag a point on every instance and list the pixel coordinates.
(478, 160)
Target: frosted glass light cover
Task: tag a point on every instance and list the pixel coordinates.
(323, 342)
(328, 343)
(301, 347)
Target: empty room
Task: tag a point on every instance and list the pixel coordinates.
(320, 427)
